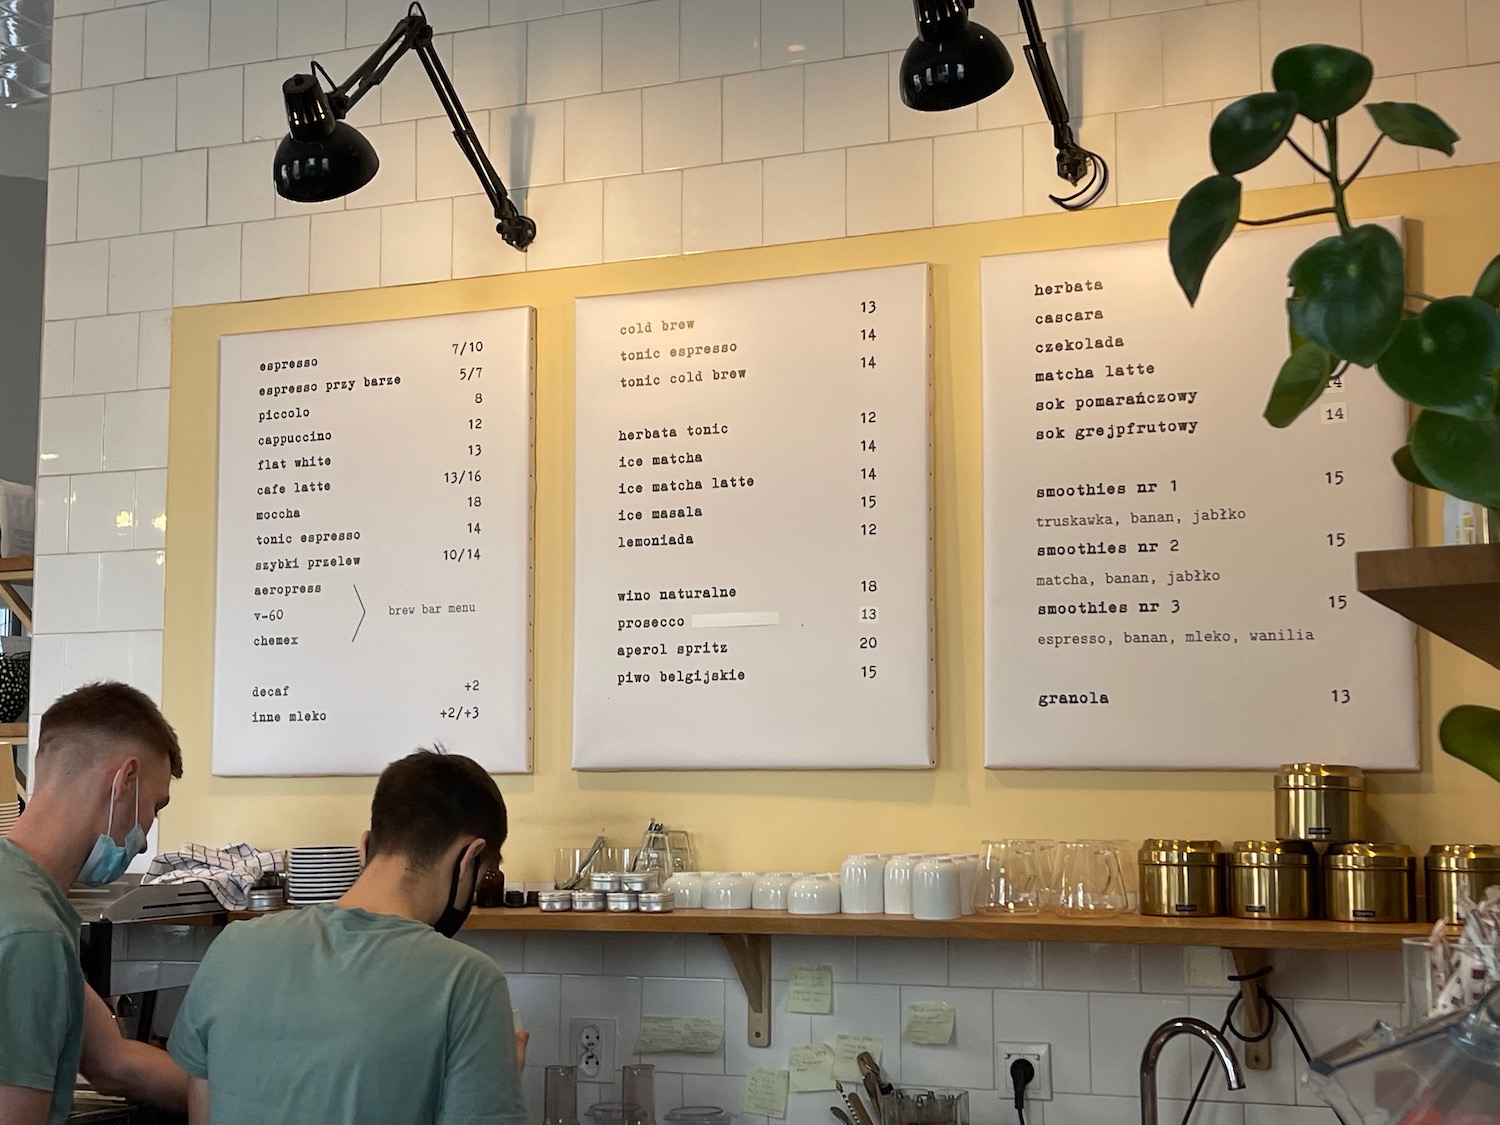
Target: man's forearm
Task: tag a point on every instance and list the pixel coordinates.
(119, 1066)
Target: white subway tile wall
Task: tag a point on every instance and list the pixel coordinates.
(1095, 1038)
(636, 128)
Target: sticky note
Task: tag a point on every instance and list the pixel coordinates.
(811, 990)
(765, 1092)
(811, 1067)
(929, 1023)
(847, 1048)
(691, 1035)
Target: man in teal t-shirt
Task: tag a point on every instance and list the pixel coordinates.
(362, 1012)
(105, 761)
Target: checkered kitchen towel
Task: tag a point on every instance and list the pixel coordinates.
(228, 872)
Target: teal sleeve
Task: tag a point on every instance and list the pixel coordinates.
(482, 1081)
(188, 1043)
(35, 1020)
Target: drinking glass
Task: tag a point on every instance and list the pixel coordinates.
(638, 1092)
(614, 860)
(566, 862)
(1091, 881)
(1010, 878)
(560, 1095)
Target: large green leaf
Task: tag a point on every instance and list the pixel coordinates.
(1487, 288)
(1407, 123)
(1327, 80)
(1442, 358)
(1203, 223)
(1247, 132)
(1459, 457)
(1407, 467)
(1347, 293)
(1298, 385)
(1472, 734)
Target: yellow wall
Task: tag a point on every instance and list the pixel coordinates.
(780, 819)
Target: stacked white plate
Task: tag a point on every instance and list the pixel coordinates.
(9, 812)
(321, 874)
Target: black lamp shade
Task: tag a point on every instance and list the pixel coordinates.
(321, 158)
(952, 62)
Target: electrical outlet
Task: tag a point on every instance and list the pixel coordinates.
(1040, 1054)
(593, 1047)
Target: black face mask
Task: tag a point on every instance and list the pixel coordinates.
(453, 916)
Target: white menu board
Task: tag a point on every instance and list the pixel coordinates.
(374, 545)
(1169, 580)
(753, 529)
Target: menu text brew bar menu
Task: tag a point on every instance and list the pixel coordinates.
(1169, 580)
(373, 579)
(753, 525)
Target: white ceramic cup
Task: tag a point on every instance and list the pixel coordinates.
(771, 891)
(862, 880)
(728, 890)
(687, 886)
(935, 889)
(814, 894)
(897, 883)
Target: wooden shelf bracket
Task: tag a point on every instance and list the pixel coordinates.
(751, 954)
(1254, 967)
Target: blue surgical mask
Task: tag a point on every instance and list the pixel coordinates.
(108, 861)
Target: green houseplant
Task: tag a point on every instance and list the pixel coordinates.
(1349, 303)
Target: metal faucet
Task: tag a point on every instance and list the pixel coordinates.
(1183, 1025)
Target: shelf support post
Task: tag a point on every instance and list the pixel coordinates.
(1253, 968)
(751, 954)
(15, 603)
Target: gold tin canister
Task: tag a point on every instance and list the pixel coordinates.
(1324, 804)
(1370, 883)
(1182, 878)
(1273, 879)
(1472, 867)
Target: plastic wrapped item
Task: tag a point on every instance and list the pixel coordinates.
(17, 518)
(1443, 1072)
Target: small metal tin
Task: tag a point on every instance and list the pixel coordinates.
(1182, 878)
(588, 901)
(1321, 803)
(622, 902)
(1273, 879)
(1365, 882)
(657, 902)
(610, 882)
(641, 881)
(552, 902)
(1451, 867)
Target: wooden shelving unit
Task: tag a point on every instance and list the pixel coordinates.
(1118, 929)
(17, 571)
(1453, 592)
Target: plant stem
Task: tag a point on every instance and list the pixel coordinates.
(1331, 135)
(1354, 175)
(1421, 296)
(1300, 151)
(1287, 218)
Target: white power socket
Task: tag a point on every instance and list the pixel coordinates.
(593, 1047)
(1039, 1088)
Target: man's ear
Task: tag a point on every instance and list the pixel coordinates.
(364, 847)
(473, 853)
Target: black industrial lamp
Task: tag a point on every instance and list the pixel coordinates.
(323, 157)
(955, 62)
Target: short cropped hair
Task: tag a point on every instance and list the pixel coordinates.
(427, 800)
(87, 723)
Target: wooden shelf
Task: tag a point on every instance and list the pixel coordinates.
(13, 733)
(1453, 592)
(1119, 929)
(16, 571)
